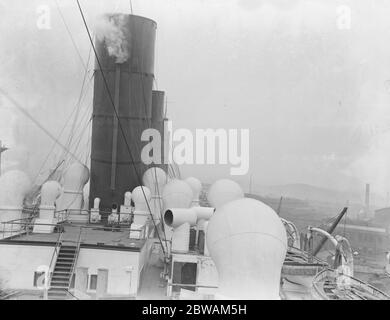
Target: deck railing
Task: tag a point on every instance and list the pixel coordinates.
(11, 230)
(330, 274)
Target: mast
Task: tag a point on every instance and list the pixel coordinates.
(2, 149)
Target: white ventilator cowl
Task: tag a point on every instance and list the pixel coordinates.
(50, 191)
(177, 194)
(86, 196)
(248, 244)
(224, 191)
(96, 203)
(75, 178)
(155, 179)
(128, 197)
(141, 196)
(196, 187)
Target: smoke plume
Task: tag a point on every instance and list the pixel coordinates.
(111, 31)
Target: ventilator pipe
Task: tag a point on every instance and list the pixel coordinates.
(75, 178)
(96, 203)
(176, 217)
(128, 197)
(182, 220)
(95, 211)
(86, 197)
(248, 244)
(177, 194)
(202, 226)
(205, 227)
(224, 191)
(141, 198)
(196, 187)
(50, 191)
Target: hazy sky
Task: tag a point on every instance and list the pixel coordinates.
(315, 97)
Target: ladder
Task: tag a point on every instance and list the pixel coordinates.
(62, 273)
(65, 265)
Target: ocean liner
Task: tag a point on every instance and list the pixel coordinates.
(114, 227)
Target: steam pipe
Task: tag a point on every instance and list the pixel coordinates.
(342, 245)
(325, 234)
(330, 231)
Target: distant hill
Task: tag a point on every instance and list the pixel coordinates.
(310, 193)
(303, 201)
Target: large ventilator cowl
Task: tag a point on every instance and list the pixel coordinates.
(248, 244)
(14, 186)
(196, 187)
(224, 191)
(141, 196)
(50, 191)
(74, 180)
(177, 194)
(155, 179)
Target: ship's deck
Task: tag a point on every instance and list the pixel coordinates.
(90, 236)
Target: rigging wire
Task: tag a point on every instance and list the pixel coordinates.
(86, 128)
(70, 35)
(39, 125)
(81, 96)
(60, 162)
(119, 123)
(53, 146)
(72, 132)
(83, 93)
